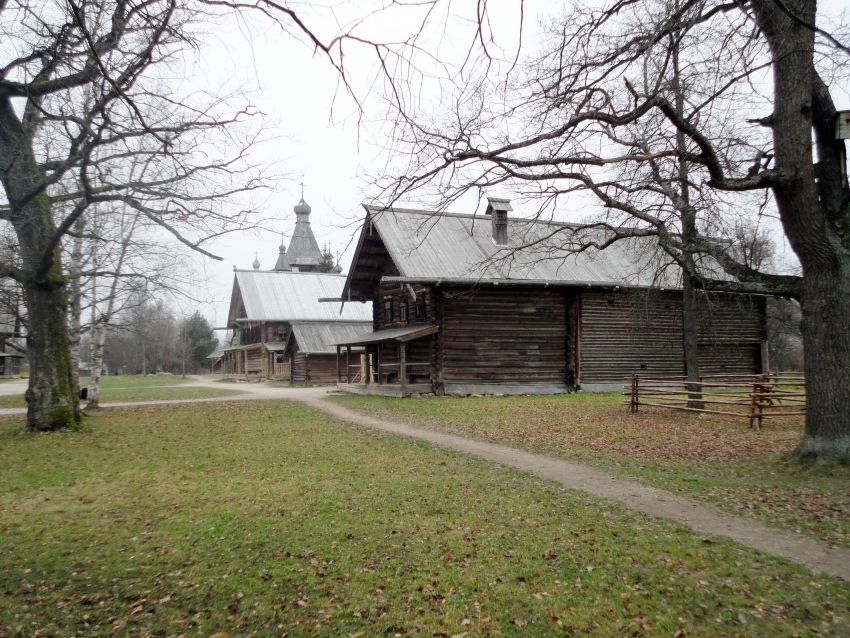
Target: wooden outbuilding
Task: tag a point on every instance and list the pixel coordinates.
(12, 333)
(465, 304)
(283, 322)
(281, 329)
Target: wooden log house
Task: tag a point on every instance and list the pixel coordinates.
(460, 305)
(281, 321)
(12, 333)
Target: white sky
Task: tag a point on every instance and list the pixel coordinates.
(318, 138)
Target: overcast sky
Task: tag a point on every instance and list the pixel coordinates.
(317, 136)
(320, 137)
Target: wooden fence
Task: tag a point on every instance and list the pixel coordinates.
(282, 370)
(752, 396)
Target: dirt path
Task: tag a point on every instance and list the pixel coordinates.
(654, 502)
(702, 519)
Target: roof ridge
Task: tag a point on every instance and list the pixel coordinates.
(435, 213)
(289, 272)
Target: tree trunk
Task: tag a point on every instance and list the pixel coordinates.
(98, 334)
(74, 327)
(98, 339)
(100, 324)
(826, 342)
(813, 208)
(690, 334)
(690, 307)
(51, 401)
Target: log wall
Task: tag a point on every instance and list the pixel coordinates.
(503, 335)
(321, 368)
(627, 331)
(731, 329)
(257, 364)
(395, 294)
(299, 365)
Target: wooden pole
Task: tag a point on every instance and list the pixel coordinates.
(338, 377)
(753, 404)
(402, 365)
(348, 364)
(635, 399)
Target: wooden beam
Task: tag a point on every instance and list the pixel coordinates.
(402, 365)
(348, 364)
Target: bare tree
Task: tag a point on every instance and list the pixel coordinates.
(125, 262)
(78, 98)
(568, 128)
(144, 339)
(77, 101)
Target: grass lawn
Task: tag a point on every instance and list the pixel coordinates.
(137, 388)
(270, 519)
(710, 457)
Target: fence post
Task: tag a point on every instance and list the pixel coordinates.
(753, 406)
(756, 404)
(634, 401)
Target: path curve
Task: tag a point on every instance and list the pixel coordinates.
(700, 518)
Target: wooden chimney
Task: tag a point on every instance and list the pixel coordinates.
(498, 210)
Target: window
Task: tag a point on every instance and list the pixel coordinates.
(402, 310)
(388, 311)
(419, 308)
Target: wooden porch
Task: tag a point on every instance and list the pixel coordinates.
(389, 364)
(256, 361)
(386, 389)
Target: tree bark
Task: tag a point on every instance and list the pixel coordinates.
(52, 403)
(815, 213)
(690, 334)
(75, 323)
(98, 339)
(826, 350)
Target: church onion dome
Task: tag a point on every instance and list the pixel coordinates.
(256, 263)
(302, 208)
(282, 258)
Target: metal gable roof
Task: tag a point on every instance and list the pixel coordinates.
(320, 338)
(426, 245)
(401, 335)
(294, 296)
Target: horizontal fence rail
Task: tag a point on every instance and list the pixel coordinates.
(753, 396)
